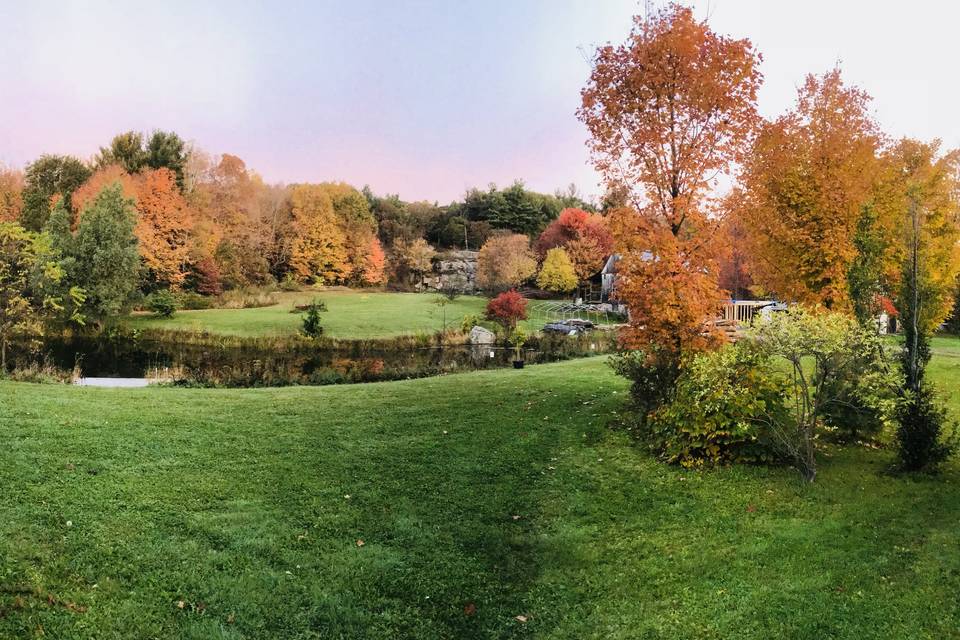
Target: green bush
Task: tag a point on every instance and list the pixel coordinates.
(653, 375)
(162, 303)
(191, 300)
(311, 322)
(720, 409)
(921, 424)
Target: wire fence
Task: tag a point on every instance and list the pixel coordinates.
(546, 311)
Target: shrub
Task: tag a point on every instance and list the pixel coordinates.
(249, 298)
(830, 358)
(162, 303)
(720, 410)
(507, 309)
(921, 421)
(311, 322)
(190, 300)
(652, 374)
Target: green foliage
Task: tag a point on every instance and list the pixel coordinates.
(721, 409)
(102, 256)
(311, 322)
(866, 278)
(921, 421)
(191, 300)
(162, 303)
(653, 376)
(831, 360)
(30, 285)
(513, 208)
(49, 177)
(162, 150)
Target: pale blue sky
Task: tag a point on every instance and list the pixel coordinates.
(421, 98)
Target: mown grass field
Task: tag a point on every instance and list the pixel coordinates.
(351, 314)
(478, 498)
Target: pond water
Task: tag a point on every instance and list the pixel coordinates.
(253, 366)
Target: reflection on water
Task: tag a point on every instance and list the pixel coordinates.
(247, 366)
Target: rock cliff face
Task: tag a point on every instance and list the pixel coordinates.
(457, 269)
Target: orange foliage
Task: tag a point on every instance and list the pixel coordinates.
(375, 264)
(11, 194)
(104, 177)
(163, 226)
(666, 111)
(804, 188)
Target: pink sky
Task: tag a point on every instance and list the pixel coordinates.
(424, 99)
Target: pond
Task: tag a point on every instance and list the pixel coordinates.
(255, 364)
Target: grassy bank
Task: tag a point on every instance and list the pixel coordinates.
(478, 498)
(351, 315)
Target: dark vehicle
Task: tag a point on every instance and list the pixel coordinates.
(571, 327)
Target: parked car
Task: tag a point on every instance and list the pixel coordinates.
(571, 327)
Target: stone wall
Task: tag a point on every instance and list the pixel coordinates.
(453, 268)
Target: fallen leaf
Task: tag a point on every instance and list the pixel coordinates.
(181, 604)
(751, 508)
(230, 618)
(470, 609)
(360, 542)
(520, 619)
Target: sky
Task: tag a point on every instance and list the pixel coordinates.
(424, 99)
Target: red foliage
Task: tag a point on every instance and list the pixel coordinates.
(507, 309)
(208, 277)
(585, 237)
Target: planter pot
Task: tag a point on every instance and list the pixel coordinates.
(518, 364)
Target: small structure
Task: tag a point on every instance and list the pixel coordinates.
(599, 288)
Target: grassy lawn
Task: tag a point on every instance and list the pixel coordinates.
(351, 314)
(478, 497)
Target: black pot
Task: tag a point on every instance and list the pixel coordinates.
(518, 364)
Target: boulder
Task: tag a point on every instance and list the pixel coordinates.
(480, 335)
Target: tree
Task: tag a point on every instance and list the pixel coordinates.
(374, 270)
(163, 150)
(163, 227)
(806, 184)
(666, 111)
(47, 179)
(101, 257)
(11, 194)
(505, 261)
(319, 251)
(585, 237)
(557, 273)
(416, 256)
(29, 279)
(931, 186)
(514, 208)
(125, 151)
(105, 176)
(166, 150)
(507, 309)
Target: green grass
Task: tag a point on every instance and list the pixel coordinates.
(351, 314)
(500, 490)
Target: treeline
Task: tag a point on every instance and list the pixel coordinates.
(158, 215)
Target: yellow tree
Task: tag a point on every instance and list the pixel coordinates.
(667, 110)
(557, 273)
(804, 189)
(318, 252)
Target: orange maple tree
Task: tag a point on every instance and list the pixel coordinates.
(668, 110)
(804, 187)
(164, 224)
